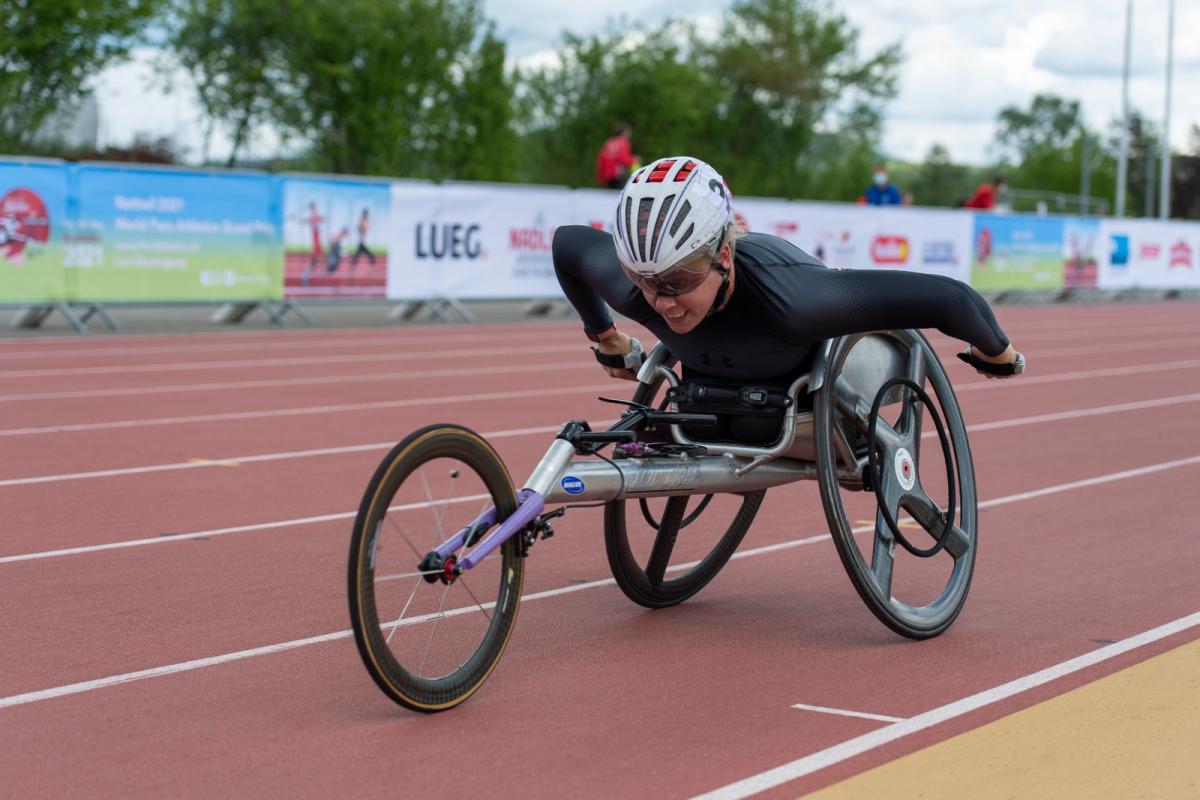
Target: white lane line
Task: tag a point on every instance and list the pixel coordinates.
(85, 686)
(580, 364)
(1010, 423)
(877, 738)
(304, 411)
(358, 377)
(507, 353)
(216, 462)
(1107, 372)
(841, 712)
(350, 342)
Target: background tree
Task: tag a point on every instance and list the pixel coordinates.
(790, 71)
(49, 49)
(1042, 148)
(406, 88)
(645, 79)
(937, 181)
(229, 49)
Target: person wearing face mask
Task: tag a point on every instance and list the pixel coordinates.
(741, 306)
(881, 192)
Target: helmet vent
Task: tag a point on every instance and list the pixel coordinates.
(658, 225)
(684, 210)
(683, 239)
(629, 224)
(643, 224)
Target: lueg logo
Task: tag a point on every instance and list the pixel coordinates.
(448, 240)
(890, 250)
(1181, 255)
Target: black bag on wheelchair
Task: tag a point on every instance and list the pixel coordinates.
(749, 413)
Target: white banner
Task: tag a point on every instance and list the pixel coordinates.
(1149, 254)
(849, 236)
(475, 241)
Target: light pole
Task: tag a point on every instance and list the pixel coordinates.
(1164, 180)
(1123, 160)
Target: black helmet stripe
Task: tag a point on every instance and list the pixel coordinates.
(643, 224)
(629, 225)
(684, 210)
(687, 233)
(658, 225)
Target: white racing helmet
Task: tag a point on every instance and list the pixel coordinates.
(668, 211)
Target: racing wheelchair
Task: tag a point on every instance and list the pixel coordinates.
(441, 539)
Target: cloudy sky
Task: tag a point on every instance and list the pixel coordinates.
(964, 61)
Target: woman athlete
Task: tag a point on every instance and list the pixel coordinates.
(742, 306)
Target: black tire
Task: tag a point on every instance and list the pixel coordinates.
(394, 529)
(659, 528)
(874, 579)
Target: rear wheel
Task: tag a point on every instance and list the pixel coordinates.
(916, 594)
(664, 550)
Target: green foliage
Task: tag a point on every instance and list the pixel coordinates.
(937, 181)
(646, 80)
(227, 47)
(48, 50)
(408, 88)
(799, 101)
(781, 102)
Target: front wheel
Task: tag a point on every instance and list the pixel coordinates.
(430, 640)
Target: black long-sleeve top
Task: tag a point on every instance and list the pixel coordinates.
(785, 301)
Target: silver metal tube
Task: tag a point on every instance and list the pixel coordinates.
(545, 474)
(1164, 184)
(599, 481)
(1123, 159)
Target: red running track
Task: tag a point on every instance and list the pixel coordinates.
(176, 512)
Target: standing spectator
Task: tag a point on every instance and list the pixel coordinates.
(881, 192)
(616, 160)
(985, 196)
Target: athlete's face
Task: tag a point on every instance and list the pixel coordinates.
(683, 312)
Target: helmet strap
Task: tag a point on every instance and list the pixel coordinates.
(720, 300)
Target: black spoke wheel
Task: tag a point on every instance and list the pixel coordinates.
(664, 550)
(429, 638)
(917, 590)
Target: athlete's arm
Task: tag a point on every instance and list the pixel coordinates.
(585, 262)
(836, 302)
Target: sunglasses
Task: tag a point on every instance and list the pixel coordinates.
(675, 281)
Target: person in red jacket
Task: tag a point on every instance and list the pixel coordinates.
(985, 195)
(616, 160)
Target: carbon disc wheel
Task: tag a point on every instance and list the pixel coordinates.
(917, 597)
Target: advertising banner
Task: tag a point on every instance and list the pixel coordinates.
(33, 240)
(1149, 254)
(167, 235)
(335, 237)
(848, 236)
(1017, 252)
(1081, 252)
(474, 241)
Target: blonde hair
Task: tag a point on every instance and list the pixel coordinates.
(702, 260)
